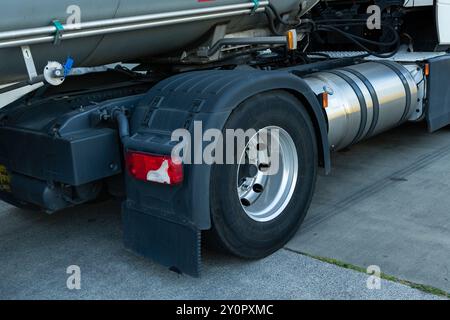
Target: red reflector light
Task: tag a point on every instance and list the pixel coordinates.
(159, 169)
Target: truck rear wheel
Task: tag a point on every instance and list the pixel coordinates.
(255, 213)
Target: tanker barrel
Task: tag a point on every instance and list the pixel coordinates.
(110, 31)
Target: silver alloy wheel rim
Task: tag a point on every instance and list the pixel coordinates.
(265, 195)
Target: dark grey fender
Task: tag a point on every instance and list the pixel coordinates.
(210, 97)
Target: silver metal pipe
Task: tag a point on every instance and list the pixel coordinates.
(128, 20)
(122, 28)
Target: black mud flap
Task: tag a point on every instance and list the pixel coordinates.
(438, 111)
(170, 244)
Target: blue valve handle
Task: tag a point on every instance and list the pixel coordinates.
(68, 66)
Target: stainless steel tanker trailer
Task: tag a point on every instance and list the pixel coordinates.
(115, 81)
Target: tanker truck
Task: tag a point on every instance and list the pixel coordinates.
(127, 97)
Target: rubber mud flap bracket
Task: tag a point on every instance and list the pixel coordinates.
(170, 244)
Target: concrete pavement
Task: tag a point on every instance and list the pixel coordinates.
(385, 204)
(36, 250)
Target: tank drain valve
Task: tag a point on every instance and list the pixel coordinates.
(55, 73)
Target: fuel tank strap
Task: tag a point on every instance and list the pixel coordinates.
(397, 69)
(373, 94)
(361, 99)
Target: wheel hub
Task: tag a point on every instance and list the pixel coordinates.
(265, 189)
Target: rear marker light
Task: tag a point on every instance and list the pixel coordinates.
(426, 69)
(292, 39)
(325, 101)
(154, 168)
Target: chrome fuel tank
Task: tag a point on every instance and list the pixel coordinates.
(366, 99)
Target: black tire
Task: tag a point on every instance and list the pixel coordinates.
(233, 230)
